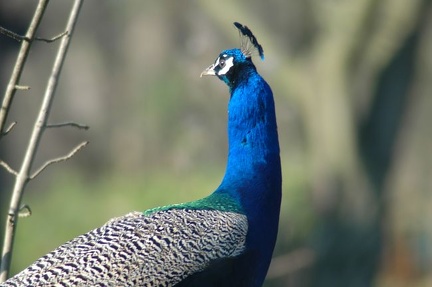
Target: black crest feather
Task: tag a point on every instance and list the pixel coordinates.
(248, 38)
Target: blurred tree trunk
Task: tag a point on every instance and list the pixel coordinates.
(349, 239)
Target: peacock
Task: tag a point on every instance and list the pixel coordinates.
(224, 239)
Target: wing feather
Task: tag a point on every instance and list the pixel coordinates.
(160, 249)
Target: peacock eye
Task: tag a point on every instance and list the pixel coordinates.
(222, 63)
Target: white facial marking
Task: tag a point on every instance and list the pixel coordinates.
(228, 64)
(217, 62)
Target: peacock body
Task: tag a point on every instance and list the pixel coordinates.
(225, 239)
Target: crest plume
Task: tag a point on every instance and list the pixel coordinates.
(249, 43)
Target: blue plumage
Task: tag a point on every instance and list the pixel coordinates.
(253, 173)
(225, 239)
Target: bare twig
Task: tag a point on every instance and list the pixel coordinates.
(11, 34)
(20, 38)
(59, 159)
(68, 124)
(21, 87)
(24, 211)
(23, 175)
(11, 126)
(8, 168)
(53, 39)
(19, 65)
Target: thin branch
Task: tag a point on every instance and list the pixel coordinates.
(8, 168)
(11, 34)
(24, 211)
(19, 65)
(10, 128)
(22, 178)
(20, 38)
(68, 124)
(59, 159)
(21, 87)
(53, 39)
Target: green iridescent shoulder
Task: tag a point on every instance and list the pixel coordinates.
(216, 201)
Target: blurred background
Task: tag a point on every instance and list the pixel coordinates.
(352, 86)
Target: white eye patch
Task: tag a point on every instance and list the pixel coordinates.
(225, 65)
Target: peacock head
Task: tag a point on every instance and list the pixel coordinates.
(230, 62)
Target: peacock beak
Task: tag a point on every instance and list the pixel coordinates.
(209, 71)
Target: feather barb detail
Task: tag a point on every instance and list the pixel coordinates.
(249, 43)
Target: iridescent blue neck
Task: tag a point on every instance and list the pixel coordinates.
(252, 180)
(253, 169)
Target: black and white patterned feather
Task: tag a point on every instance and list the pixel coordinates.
(160, 249)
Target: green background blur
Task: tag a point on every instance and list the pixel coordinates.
(352, 85)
